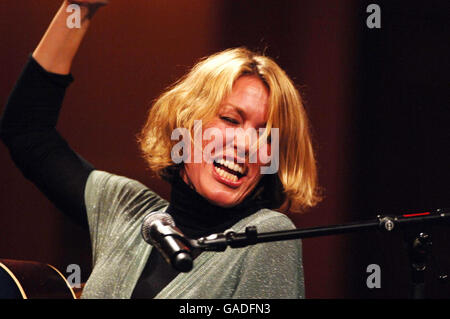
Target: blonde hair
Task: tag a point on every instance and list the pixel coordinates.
(199, 94)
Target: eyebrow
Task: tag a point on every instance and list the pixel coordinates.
(242, 112)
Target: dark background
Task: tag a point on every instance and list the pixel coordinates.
(377, 100)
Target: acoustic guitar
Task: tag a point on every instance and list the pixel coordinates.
(32, 280)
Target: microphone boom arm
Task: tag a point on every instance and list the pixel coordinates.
(220, 241)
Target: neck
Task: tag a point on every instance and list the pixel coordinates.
(197, 217)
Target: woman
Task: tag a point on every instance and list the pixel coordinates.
(234, 89)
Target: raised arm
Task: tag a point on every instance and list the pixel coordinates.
(28, 123)
(60, 43)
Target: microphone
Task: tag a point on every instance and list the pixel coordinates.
(158, 229)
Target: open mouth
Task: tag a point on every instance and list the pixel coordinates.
(229, 170)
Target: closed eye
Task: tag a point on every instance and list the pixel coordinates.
(229, 120)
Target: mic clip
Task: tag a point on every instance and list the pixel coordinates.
(220, 241)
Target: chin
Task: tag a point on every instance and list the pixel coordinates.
(217, 189)
(222, 199)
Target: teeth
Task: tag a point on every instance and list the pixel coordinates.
(231, 165)
(226, 175)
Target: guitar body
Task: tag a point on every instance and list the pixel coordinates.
(32, 280)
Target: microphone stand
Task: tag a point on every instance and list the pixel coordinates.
(418, 252)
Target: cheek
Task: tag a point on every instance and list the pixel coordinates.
(193, 170)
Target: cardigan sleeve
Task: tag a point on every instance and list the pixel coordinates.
(273, 270)
(115, 207)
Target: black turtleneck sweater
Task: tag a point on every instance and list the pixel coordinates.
(27, 128)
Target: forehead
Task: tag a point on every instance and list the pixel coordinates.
(249, 97)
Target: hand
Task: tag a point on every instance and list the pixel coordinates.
(91, 5)
(90, 2)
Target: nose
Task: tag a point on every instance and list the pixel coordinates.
(244, 144)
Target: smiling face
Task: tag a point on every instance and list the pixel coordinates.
(228, 183)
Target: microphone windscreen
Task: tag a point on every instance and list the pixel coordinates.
(149, 220)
